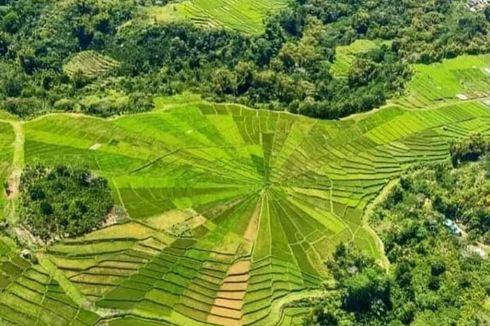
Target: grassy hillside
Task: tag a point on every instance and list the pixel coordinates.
(240, 15)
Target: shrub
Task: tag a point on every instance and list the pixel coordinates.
(470, 148)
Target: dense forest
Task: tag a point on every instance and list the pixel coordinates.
(435, 275)
(63, 201)
(286, 67)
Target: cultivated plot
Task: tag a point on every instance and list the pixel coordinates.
(242, 15)
(233, 210)
(461, 79)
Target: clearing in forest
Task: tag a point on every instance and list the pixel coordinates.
(89, 64)
(345, 55)
(242, 15)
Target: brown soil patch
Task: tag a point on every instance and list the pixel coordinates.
(237, 278)
(111, 218)
(234, 287)
(238, 295)
(240, 267)
(227, 307)
(13, 184)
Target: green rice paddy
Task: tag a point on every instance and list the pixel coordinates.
(89, 64)
(243, 15)
(232, 211)
(345, 55)
(462, 78)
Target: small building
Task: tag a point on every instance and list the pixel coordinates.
(453, 227)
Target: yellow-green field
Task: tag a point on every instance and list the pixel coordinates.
(241, 15)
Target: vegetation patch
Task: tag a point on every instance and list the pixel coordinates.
(435, 275)
(283, 61)
(470, 148)
(63, 201)
(345, 56)
(241, 15)
(89, 64)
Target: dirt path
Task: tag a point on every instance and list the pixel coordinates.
(368, 212)
(16, 171)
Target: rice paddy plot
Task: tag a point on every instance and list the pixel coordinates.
(30, 295)
(241, 15)
(89, 64)
(345, 55)
(231, 209)
(461, 79)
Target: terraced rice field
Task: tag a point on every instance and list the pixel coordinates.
(345, 55)
(232, 211)
(90, 64)
(462, 78)
(30, 295)
(243, 15)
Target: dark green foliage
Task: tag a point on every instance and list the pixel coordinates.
(365, 286)
(63, 201)
(434, 277)
(287, 67)
(470, 148)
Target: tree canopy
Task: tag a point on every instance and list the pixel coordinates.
(63, 201)
(288, 66)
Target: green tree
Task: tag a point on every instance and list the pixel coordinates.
(224, 82)
(11, 22)
(470, 148)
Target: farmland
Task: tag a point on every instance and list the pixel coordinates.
(241, 15)
(89, 64)
(345, 55)
(231, 212)
(462, 78)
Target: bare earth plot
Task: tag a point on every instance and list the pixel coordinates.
(232, 210)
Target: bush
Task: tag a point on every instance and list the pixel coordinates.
(63, 201)
(64, 105)
(470, 148)
(22, 107)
